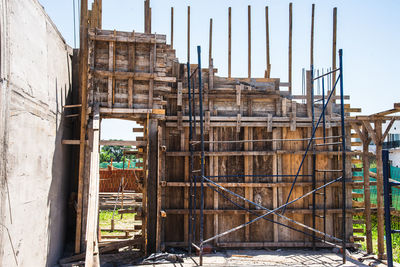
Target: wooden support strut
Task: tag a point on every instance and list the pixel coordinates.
(249, 40)
(83, 59)
(92, 249)
(312, 36)
(229, 42)
(290, 47)
(172, 27)
(268, 71)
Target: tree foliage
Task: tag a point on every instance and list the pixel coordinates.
(115, 153)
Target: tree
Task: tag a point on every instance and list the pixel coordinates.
(114, 152)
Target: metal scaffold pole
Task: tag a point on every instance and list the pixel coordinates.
(202, 155)
(343, 157)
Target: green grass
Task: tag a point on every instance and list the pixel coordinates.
(126, 222)
(395, 237)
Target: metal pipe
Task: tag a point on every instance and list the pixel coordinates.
(267, 219)
(270, 211)
(191, 163)
(308, 147)
(343, 157)
(323, 75)
(386, 194)
(202, 157)
(324, 135)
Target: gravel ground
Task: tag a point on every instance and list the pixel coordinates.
(280, 257)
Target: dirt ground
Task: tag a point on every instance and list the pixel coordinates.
(281, 257)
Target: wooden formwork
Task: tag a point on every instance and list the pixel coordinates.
(136, 76)
(251, 127)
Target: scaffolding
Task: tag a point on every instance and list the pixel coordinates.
(196, 144)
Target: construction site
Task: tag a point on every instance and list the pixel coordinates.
(224, 170)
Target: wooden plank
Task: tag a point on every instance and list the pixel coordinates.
(130, 93)
(290, 46)
(179, 94)
(312, 36)
(367, 192)
(215, 173)
(152, 185)
(334, 33)
(379, 188)
(268, 72)
(308, 93)
(92, 255)
(160, 177)
(210, 44)
(122, 143)
(229, 42)
(249, 40)
(83, 67)
(172, 27)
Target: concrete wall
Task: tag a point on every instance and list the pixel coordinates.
(35, 82)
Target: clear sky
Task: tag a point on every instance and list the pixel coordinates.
(368, 32)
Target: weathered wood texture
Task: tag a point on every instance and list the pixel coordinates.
(235, 109)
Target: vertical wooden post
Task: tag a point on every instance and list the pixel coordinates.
(367, 195)
(268, 72)
(100, 13)
(149, 23)
(312, 36)
(152, 186)
(290, 47)
(172, 27)
(83, 68)
(188, 34)
(215, 173)
(334, 49)
(229, 41)
(308, 94)
(210, 44)
(249, 39)
(146, 16)
(379, 189)
(92, 255)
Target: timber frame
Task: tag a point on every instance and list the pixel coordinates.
(208, 138)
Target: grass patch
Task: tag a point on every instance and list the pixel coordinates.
(395, 237)
(126, 222)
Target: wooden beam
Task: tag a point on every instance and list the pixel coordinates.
(308, 94)
(210, 44)
(92, 249)
(388, 129)
(290, 46)
(151, 212)
(249, 40)
(100, 13)
(172, 27)
(371, 131)
(379, 188)
(122, 143)
(229, 42)
(268, 72)
(83, 67)
(312, 36)
(367, 192)
(334, 32)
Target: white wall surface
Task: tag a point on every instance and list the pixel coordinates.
(35, 80)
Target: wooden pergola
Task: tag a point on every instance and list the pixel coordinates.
(367, 133)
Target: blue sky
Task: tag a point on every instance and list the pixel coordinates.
(368, 32)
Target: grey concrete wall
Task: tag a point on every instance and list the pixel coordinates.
(35, 82)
